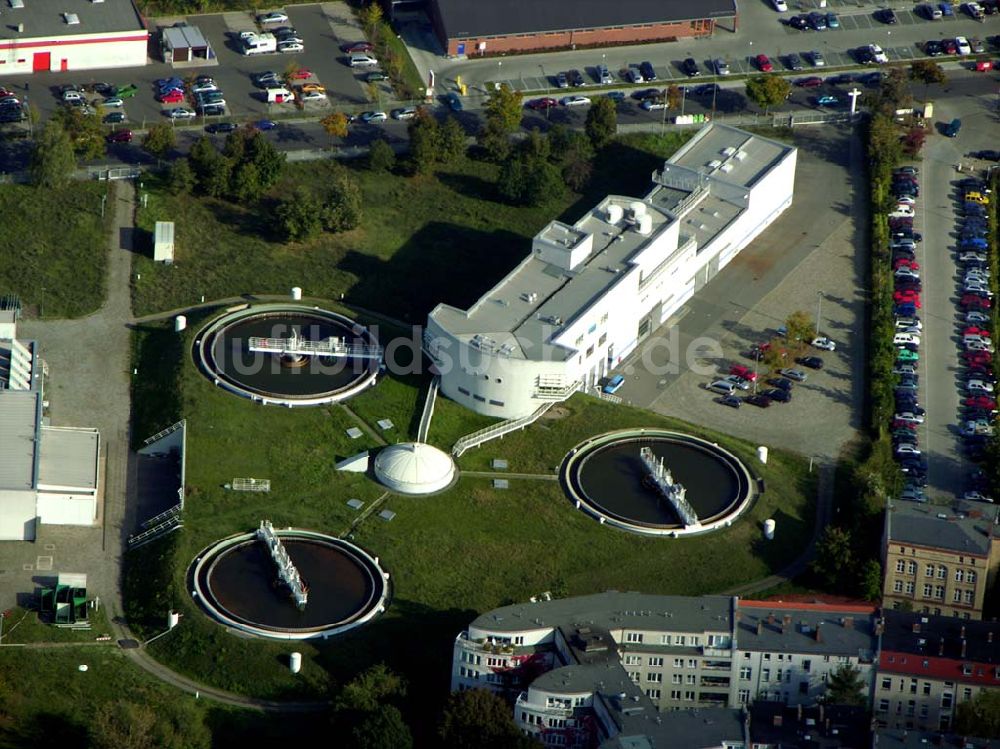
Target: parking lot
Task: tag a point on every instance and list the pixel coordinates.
(816, 247)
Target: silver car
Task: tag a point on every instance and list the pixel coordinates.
(721, 66)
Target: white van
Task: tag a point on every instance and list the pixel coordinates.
(359, 60)
(901, 339)
(902, 211)
(278, 95)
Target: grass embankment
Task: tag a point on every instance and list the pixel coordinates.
(443, 237)
(54, 247)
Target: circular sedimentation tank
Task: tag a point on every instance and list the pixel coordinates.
(607, 478)
(236, 582)
(222, 352)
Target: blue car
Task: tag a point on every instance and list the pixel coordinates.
(454, 102)
(265, 124)
(974, 243)
(945, 9)
(613, 385)
(832, 21)
(616, 96)
(827, 101)
(905, 310)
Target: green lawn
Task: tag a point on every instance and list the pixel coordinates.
(24, 626)
(444, 237)
(54, 247)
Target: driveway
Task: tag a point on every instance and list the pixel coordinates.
(816, 247)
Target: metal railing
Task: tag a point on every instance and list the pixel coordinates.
(168, 526)
(428, 413)
(163, 433)
(497, 430)
(163, 516)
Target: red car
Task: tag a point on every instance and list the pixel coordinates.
(764, 64)
(358, 47)
(812, 81)
(907, 297)
(119, 136)
(302, 74)
(175, 96)
(900, 424)
(980, 401)
(976, 331)
(745, 372)
(977, 358)
(545, 102)
(949, 46)
(905, 262)
(971, 301)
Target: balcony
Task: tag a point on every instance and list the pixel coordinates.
(715, 682)
(560, 712)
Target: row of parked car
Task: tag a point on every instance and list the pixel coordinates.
(742, 384)
(979, 406)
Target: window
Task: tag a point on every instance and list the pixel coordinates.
(579, 341)
(897, 586)
(780, 674)
(928, 591)
(911, 567)
(692, 663)
(886, 683)
(681, 640)
(946, 700)
(924, 710)
(675, 694)
(653, 694)
(633, 637)
(803, 687)
(604, 317)
(929, 571)
(695, 640)
(496, 403)
(602, 339)
(634, 676)
(911, 708)
(656, 662)
(632, 660)
(942, 572)
(690, 679)
(807, 665)
(744, 696)
(883, 706)
(654, 678)
(939, 592)
(678, 663)
(970, 577)
(959, 576)
(745, 672)
(900, 566)
(957, 597)
(969, 597)
(590, 351)
(767, 656)
(765, 674)
(675, 678)
(463, 391)
(927, 688)
(910, 587)
(966, 694)
(913, 686)
(689, 696)
(666, 639)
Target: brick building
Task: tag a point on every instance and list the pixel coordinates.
(940, 561)
(500, 26)
(928, 665)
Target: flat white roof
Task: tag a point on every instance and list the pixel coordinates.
(68, 457)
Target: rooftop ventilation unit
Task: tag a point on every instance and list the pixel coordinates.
(740, 155)
(615, 213)
(714, 164)
(72, 19)
(728, 151)
(637, 208)
(645, 225)
(727, 167)
(16, 3)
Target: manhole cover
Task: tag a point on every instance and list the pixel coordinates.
(43, 564)
(50, 547)
(27, 567)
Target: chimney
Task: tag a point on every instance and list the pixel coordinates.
(963, 646)
(760, 626)
(819, 634)
(916, 628)
(848, 622)
(941, 646)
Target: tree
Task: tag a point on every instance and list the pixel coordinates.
(800, 327)
(245, 184)
(159, 140)
(883, 141)
(369, 689)
(122, 725)
(299, 214)
(371, 18)
(528, 181)
(216, 182)
(341, 209)
(291, 73)
(576, 158)
(602, 121)
(674, 96)
(382, 728)
(913, 141)
(381, 157)
(927, 72)
(335, 125)
(834, 557)
(767, 91)
(452, 139)
(181, 177)
(845, 686)
(203, 157)
(894, 91)
(85, 131)
(268, 160)
(871, 580)
(478, 719)
(980, 716)
(495, 141)
(425, 142)
(52, 159)
(504, 108)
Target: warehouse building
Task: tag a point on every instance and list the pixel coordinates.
(48, 474)
(487, 28)
(589, 293)
(38, 36)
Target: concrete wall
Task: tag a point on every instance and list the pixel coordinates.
(66, 509)
(125, 49)
(17, 515)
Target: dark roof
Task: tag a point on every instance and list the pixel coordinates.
(923, 634)
(784, 628)
(965, 528)
(478, 18)
(691, 729)
(48, 19)
(818, 727)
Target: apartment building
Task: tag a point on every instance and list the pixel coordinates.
(786, 652)
(939, 561)
(928, 665)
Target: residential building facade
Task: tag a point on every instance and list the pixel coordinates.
(939, 561)
(929, 665)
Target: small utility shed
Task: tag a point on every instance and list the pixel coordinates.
(163, 242)
(185, 44)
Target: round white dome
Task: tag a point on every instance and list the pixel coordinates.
(414, 468)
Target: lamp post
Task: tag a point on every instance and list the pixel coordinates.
(819, 310)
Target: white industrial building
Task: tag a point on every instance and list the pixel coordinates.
(48, 474)
(40, 35)
(588, 294)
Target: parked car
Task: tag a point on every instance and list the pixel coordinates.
(813, 362)
(180, 113)
(759, 400)
(690, 67)
(574, 101)
(614, 384)
(764, 63)
(794, 374)
(454, 101)
(729, 400)
(777, 394)
(119, 136)
(272, 17)
(545, 102)
(648, 71)
(221, 127)
(370, 118)
(723, 387)
(824, 343)
(743, 372)
(114, 118)
(403, 113)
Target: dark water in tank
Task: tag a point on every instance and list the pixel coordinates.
(244, 582)
(265, 374)
(612, 478)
